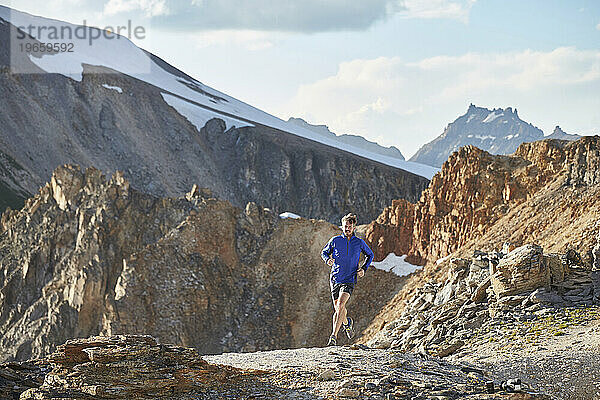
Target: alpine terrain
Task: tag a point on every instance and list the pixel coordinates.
(162, 240)
(562, 135)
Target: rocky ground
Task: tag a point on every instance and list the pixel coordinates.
(361, 372)
(90, 255)
(556, 351)
(138, 367)
(518, 313)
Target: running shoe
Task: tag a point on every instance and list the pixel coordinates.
(349, 328)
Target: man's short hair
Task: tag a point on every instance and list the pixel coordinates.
(351, 218)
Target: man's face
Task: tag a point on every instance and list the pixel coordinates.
(348, 228)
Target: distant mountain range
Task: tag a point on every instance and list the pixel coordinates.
(498, 131)
(352, 140)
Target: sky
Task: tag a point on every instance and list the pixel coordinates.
(394, 71)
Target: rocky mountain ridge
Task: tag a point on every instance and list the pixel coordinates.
(90, 255)
(474, 286)
(476, 191)
(546, 195)
(561, 135)
(498, 131)
(67, 272)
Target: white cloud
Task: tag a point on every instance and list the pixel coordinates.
(438, 9)
(150, 8)
(303, 16)
(306, 16)
(598, 26)
(407, 104)
(74, 11)
(269, 15)
(524, 70)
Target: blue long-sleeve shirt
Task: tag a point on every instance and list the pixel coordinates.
(346, 255)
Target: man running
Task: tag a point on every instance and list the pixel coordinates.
(342, 254)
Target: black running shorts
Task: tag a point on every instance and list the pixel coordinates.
(336, 288)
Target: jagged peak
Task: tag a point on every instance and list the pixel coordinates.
(473, 108)
(69, 180)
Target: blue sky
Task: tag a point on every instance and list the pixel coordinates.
(394, 71)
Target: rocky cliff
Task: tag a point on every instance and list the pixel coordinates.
(498, 131)
(89, 255)
(133, 129)
(546, 194)
(543, 193)
(289, 173)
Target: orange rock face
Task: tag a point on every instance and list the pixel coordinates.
(473, 190)
(392, 231)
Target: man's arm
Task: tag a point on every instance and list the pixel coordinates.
(368, 253)
(327, 250)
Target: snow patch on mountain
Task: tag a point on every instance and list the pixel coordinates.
(115, 88)
(287, 214)
(485, 137)
(492, 116)
(396, 264)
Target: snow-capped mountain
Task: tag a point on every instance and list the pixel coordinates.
(498, 131)
(351, 140)
(114, 106)
(194, 100)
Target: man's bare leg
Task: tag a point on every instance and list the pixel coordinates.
(339, 316)
(335, 310)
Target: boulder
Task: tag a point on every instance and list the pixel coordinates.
(480, 293)
(134, 367)
(523, 269)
